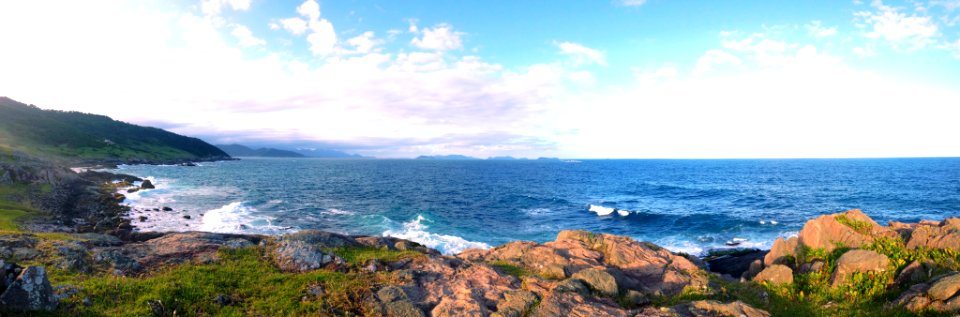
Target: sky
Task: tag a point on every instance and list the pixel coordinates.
(574, 79)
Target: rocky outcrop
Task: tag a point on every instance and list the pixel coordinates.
(30, 291)
(859, 261)
(851, 229)
(775, 274)
(942, 235)
(938, 295)
(782, 252)
(300, 256)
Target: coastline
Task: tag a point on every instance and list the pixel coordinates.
(578, 273)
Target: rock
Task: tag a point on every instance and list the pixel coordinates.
(133, 190)
(147, 184)
(99, 240)
(636, 298)
(734, 263)
(914, 299)
(782, 252)
(395, 303)
(775, 274)
(826, 232)
(72, 257)
(576, 305)
(222, 300)
(116, 260)
(298, 256)
(515, 304)
(813, 266)
(599, 280)
(715, 308)
(945, 287)
(917, 271)
(187, 217)
(31, 291)
(858, 261)
(942, 235)
(322, 239)
(238, 243)
(572, 285)
(167, 209)
(755, 268)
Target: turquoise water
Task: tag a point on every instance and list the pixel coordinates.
(685, 205)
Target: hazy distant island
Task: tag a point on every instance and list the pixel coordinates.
(69, 246)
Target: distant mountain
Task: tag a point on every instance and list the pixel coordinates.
(81, 136)
(446, 157)
(240, 150)
(326, 153)
(503, 158)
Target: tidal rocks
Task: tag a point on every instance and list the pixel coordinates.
(30, 291)
(775, 274)
(733, 262)
(147, 184)
(859, 261)
(300, 256)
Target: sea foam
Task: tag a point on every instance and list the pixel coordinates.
(236, 217)
(601, 210)
(415, 231)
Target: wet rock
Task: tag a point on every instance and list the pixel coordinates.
(734, 262)
(143, 218)
(187, 217)
(599, 280)
(167, 209)
(31, 291)
(775, 274)
(782, 252)
(858, 261)
(299, 256)
(147, 184)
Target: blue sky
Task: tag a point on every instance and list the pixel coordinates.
(585, 79)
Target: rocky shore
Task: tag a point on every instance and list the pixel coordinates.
(80, 257)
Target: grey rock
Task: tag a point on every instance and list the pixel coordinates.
(598, 280)
(299, 256)
(31, 291)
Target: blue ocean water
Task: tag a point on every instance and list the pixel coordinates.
(685, 205)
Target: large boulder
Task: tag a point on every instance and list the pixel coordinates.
(299, 256)
(861, 261)
(945, 287)
(147, 184)
(394, 303)
(715, 308)
(851, 229)
(30, 291)
(781, 252)
(515, 304)
(940, 295)
(775, 274)
(598, 280)
(733, 262)
(942, 235)
(563, 304)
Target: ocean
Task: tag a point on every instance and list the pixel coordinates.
(684, 205)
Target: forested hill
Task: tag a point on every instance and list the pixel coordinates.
(88, 137)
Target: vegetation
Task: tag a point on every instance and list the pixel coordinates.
(857, 225)
(510, 269)
(242, 283)
(76, 135)
(361, 255)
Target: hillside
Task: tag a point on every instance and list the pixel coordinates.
(83, 137)
(238, 150)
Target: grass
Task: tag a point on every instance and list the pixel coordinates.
(510, 269)
(857, 225)
(250, 283)
(361, 255)
(11, 214)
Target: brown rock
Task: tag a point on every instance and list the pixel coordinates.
(775, 274)
(945, 287)
(733, 309)
(917, 271)
(781, 252)
(858, 261)
(755, 268)
(515, 304)
(599, 280)
(942, 235)
(575, 305)
(825, 232)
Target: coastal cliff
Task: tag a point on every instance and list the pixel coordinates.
(843, 264)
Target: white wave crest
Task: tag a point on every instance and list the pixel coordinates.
(236, 217)
(623, 213)
(415, 231)
(601, 210)
(335, 211)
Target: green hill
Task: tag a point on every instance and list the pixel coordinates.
(238, 150)
(77, 136)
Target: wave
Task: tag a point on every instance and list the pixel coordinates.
(605, 211)
(236, 217)
(339, 212)
(415, 231)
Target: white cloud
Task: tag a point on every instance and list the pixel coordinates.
(363, 43)
(215, 7)
(309, 9)
(245, 37)
(952, 47)
(581, 55)
(632, 3)
(440, 38)
(294, 25)
(322, 37)
(413, 26)
(899, 29)
(713, 58)
(816, 29)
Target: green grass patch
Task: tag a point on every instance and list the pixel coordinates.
(11, 214)
(857, 225)
(252, 285)
(510, 269)
(360, 255)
